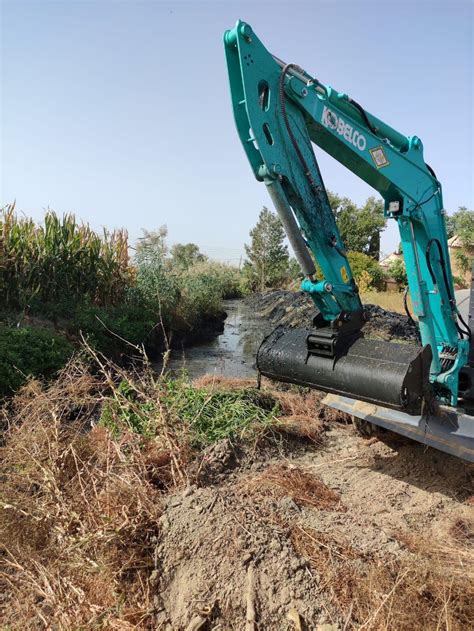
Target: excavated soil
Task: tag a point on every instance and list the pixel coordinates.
(290, 528)
(296, 309)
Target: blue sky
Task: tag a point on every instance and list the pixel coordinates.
(120, 111)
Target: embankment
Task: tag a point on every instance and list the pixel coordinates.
(296, 309)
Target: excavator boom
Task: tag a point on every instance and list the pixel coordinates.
(280, 110)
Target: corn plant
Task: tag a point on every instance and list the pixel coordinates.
(60, 259)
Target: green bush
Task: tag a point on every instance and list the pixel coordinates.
(398, 272)
(29, 352)
(157, 286)
(183, 296)
(124, 411)
(204, 414)
(228, 276)
(366, 269)
(107, 329)
(201, 293)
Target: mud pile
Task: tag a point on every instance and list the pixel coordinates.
(296, 309)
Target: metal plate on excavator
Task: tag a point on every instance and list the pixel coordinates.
(449, 430)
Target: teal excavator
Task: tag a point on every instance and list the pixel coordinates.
(426, 391)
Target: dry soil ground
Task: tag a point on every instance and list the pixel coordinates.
(333, 532)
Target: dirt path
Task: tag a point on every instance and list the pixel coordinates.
(309, 522)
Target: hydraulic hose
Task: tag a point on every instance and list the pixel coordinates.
(452, 300)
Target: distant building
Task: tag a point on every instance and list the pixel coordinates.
(391, 258)
(454, 246)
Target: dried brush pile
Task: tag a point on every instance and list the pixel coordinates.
(85, 464)
(426, 590)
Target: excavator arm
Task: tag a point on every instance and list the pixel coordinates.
(280, 110)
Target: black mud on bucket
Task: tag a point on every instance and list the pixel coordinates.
(383, 373)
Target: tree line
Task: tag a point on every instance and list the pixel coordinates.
(269, 264)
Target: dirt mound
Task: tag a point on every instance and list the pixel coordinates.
(320, 537)
(210, 537)
(296, 309)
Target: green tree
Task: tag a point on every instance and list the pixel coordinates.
(185, 255)
(359, 227)
(461, 224)
(294, 270)
(398, 272)
(366, 270)
(268, 259)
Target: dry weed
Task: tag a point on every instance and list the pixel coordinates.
(451, 545)
(387, 593)
(300, 427)
(79, 509)
(304, 488)
(218, 382)
(305, 403)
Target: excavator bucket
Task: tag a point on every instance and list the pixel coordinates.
(381, 383)
(379, 372)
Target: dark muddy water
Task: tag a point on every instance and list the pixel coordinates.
(231, 354)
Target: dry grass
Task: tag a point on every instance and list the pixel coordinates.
(388, 593)
(304, 402)
(389, 300)
(80, 503)
(79, 511)
(217, 382)
(302, 413)
(452, 546)
(303, 487)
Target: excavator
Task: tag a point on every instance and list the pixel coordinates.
(422, 391)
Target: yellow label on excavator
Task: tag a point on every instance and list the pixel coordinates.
(344, 274)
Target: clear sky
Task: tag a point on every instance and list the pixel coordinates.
(120, 110)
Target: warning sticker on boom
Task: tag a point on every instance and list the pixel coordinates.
(379, 157)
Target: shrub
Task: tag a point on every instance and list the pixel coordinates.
(109, 330)
(367, 270)
(201, 292)
(29, 352)
(125, 411)
(183, 295)
(229, 277)
(157, 286)
(398, 272)
(214, 414)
